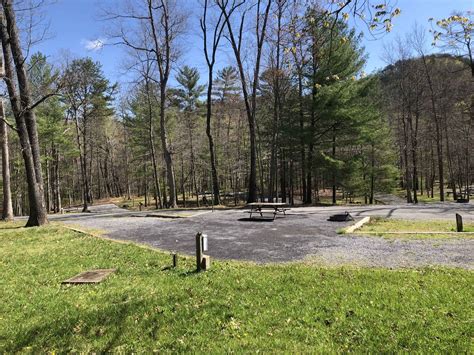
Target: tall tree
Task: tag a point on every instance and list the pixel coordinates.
(54, 136)
(161, 23)
(87, 96)
(334, 56)
(456, 33)
(276, 70)
(210, 50)
(188, 97)
(23, 110)
(236, 38)
(226, 93)
(146, 68)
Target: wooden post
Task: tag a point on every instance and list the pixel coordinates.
(175, 260)
(458, 222)
(198, 251)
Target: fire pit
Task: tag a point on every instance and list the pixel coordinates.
(341, 217)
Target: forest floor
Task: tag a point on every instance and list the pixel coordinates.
(147, 307)
(304, 234)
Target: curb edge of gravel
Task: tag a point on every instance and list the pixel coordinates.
(357, 225)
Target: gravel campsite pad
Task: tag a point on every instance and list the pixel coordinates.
(304, 234)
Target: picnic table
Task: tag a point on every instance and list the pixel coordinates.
(267, 207)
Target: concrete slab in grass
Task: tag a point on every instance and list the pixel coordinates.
(90, 276)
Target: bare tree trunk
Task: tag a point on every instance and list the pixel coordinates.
(7, 213)
(439, 149)
(106, 175)
(164, 190)
(452, 180)
(183, 192)
(164, 62)
(283, 165)
(98, 173)
(215, 176)
(414, 149)
(408, 180)
(166, 151)
(193, 167)
(471, 125)
(468, 169)
(439, 146)
(334, 187)
(276, 106)
(302, 144)
(88, 141)
(260, 164)
(56, 189)
(292, 182)
(127, 169)
(145, 183)
(82, 160)
(210, 60)
(372, 175)
(48, 182)
(309, 178)
(158, 201)
(432, 175)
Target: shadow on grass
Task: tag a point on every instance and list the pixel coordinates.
(6, 228)
(86, 324)
(180, 272)
(189, 273)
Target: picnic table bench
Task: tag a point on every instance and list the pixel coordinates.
(267, 207)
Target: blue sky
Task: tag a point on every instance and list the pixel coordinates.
(75, 25)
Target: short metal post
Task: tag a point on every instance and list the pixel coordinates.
(175, 260)
(459, 222)
(203, 262)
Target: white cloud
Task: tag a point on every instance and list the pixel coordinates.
(93, 45)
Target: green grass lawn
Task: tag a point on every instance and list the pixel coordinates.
(381, 227)
(428, 199)
(425, 198)
(239, 307)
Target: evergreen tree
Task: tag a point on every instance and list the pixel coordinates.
(87, 95)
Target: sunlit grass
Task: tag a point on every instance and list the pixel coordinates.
(417, 228)
(426, 198)
(234, 307)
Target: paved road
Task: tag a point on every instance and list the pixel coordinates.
(304, 234)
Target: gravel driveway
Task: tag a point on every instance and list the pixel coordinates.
(304, 233)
